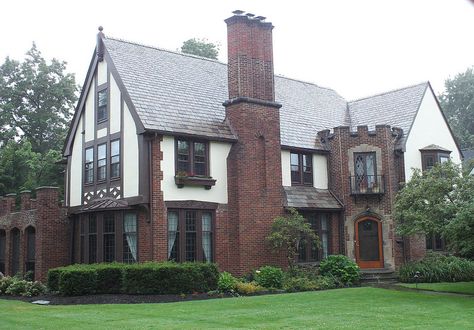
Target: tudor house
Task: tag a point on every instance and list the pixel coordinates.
(177, 157)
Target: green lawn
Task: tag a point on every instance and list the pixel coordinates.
(458, 287)
(359, 308)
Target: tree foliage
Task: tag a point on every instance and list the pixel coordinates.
(36, 100)
(286, 233)
(200, 47)
(457, 103)
(36, 103)
(440, 200)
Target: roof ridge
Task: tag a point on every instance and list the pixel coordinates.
(165, 50)
(388, 92)
(212, 60)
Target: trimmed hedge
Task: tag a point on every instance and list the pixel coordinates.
(147, 278)
(438, 268)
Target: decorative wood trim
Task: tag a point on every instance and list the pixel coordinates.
(182, 181)
(190, 204)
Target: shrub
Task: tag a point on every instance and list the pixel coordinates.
(247, 288)
(34, 289)
(109, 277)
(53, 279)
(295, 284)
(341, 268)
(16, 288)
(227, 282)
(438, 268)
(5, 282)
(77, 280)
(269, 277)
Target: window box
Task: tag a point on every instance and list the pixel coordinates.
(206, 182)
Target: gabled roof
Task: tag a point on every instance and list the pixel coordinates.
(180, 93)
(434, 147)
(396, 108)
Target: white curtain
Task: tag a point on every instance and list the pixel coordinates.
(206, 236)
(172, 230)
(130, 229)
(370, 162)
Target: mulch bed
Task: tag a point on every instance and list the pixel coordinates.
(114, 298)
(124, 298)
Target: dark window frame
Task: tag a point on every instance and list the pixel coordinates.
(102, 163)
(3, 249)
(115, 160)
(89, 167)
(191, 171)
(298, 177)
(358, 186)
(435, 156)
(310, 254)
(102, 112)
(181, 252)
(435, 242)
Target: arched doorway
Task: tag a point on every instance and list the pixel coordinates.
(15, 251)
(368, 243)
(30, 250)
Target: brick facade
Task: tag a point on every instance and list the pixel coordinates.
(51, 227)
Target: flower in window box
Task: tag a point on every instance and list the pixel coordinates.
(182, 174)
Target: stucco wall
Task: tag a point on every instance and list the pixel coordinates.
(428, 128)
(114, 106)
(218, 152)
(89, 114)
(130, 155)
(75, 189)
(101, 73)
(320, 170)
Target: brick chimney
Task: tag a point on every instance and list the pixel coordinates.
(254, 162)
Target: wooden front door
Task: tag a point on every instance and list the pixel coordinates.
(368, 244)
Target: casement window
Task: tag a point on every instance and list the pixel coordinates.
(190, 235)
(92, 240)
(191, 158)
(308, 250)
(301, 169)
(130, 238)
(365, 170)
(115, 159)
(102, 162)
(89, 166)
(429, 159)
(102, 105)
(108, 236)
(435, 242)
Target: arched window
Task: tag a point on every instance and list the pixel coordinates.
(15, 251)
(30, 250)
(3, 240)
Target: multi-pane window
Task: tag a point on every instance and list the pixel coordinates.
(102, 162)
(301, 169)
(30, 250)
(109, 237)
(115, 159)
(130, 238)
(307, 249)
(190, 235)
(191, 158)
(92, 238)
(435, 242)
(89, 166)
(102, 105)
(365, 171)
(429, 159)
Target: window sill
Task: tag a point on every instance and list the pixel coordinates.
(206, 182)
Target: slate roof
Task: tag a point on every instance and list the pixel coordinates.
(434, 147)
(105, 204)
(180, 93)
(310, 198)
(395, 108)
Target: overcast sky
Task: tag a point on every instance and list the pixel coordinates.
(358, 47)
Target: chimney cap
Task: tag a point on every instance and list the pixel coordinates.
(101, 28)
(260, 18)
(250, 15)
(238, 12)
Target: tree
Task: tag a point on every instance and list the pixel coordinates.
(441, 201)
(457, 103)
(287, 232)
(36, 100)
(200, 47)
